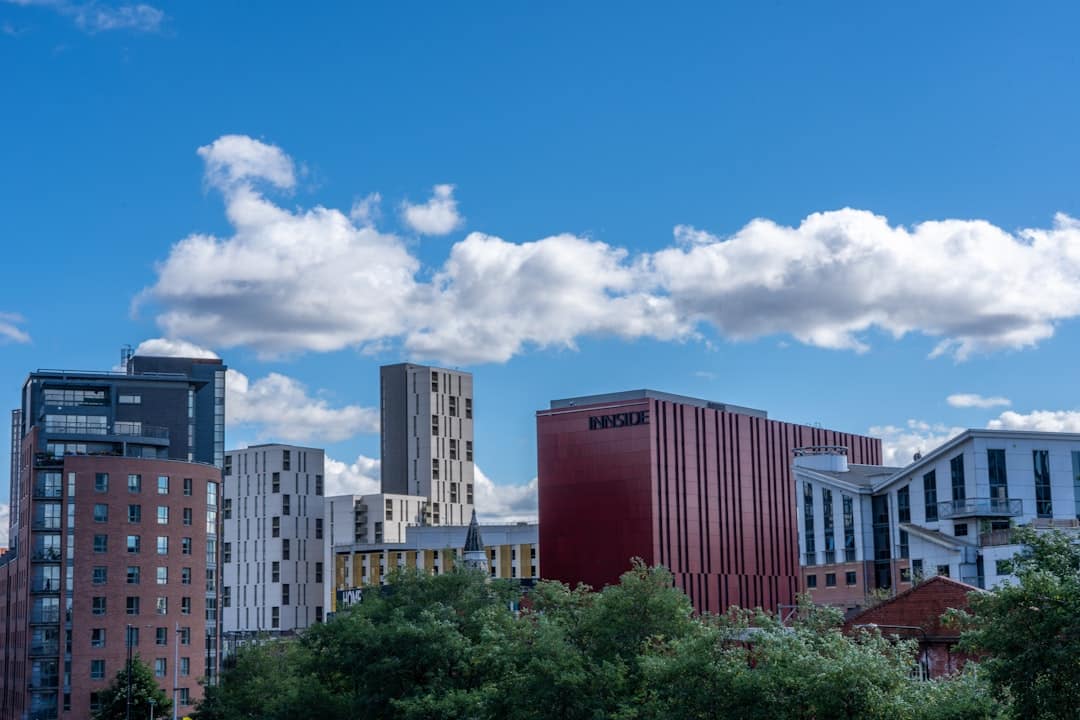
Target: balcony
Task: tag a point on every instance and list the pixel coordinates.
(995, 538)
(810, 558)
(979, 508)
(119, 430)
(49, 616)
(44, 585)
(47, 490)
(50, 555)
(45, 649)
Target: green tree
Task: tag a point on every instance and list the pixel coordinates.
(1029, 632)
(144, 688)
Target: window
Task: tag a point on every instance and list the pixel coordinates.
(185, 666)
(275, 526)
(435, 425)
(850, 578)
(226, 596)
(435, 382)
(434, 468)
(275, 617)
(285, 503)
(943, 570)
(185, 576)
(185, 606)
(1044, 506)
(389, 509)
(135, 483)
(960, 529)
(133, 543)
(97, 606)
(318, 572)
(1076, 480)
(1003, 567)
(211, 580)
(161, 636)
(97, 670)
(999, 480)
(917, 569)
(97, 638)
(134, 513)
(101, 513)
(101, 543)
(101, 575)
(275, 482)
(453, 407)
(849, 528)
(133, 606)
(101, 482)
(319, 485)
(163, 485)
(903, 504)
(187, 486)
(318, 529)
(468, 408)
(828, 525)
(185, 636)
(285, 549)
(162, 576)
(132, 636)
(830, 579)
(187, 516)
(211, 494)
(275, 571)
(129, 399)
(905, 575)
(185, 546)
(162, 545)
(808, 525)
(162, 515)
(159, 667)
(285, 593)
(929, 481)
(318, 613)
(133, 575)
(811, 581)
(162, 606)
(468, 450)
(226, 553)
(453, 449)
(185, 696)
(226, 508)
(905, 544)
(956, 472)
(286, 459)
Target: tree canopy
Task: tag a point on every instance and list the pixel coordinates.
(144, 688)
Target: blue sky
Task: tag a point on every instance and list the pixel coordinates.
(842, 213)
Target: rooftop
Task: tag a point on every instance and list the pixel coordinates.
(646, 394)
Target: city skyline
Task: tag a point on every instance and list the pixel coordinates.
(880, 238)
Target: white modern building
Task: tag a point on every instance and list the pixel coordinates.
(274, 540)
(950, 512)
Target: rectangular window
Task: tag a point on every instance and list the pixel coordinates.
(811, 581)
(163, 576)
(163, 485)
(318, 572)
(830, 579)
(129, 399)
(435, 382)
(162, 606)
(226, 508)
(185, 546)
(185, 696)
(97, 670)
(133, 543)
(943, 570)
(226, 596)
(275, 482)
(1044, 506)
(1003, 567)
(162, 515)
(435, 425)
(97, 638)
(286, 459)
(275, 571)
(850, 578)
(318, 529)
(960, 529)
(434, 468)
(185, 666)
(275, 617)
(132, 605)
(187, 516)
(133, 575)
(319, 485)
(211, 494)
(97, 606)
(275, 526)
(849, 528)
(160, 668)
(453, 449)
(285, 593)
(905, 575)
(929, 481)
(453, 405)
(187, 486)
(468, 408)
(905, 545)
(318, 613)
(917, 569)
(285, 505)
(101, 575)
(956, 472)
(134, 483)
(185, 576)
(226, 552)
(828, 525)
(903, 504)
(161, 636)
(134, 513)
(101, 512)
(185, 606)
(185, 636)
(101, 482)
(285, 549)
(808, 522)
(999, 481)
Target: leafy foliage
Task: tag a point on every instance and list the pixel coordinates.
(144, 688)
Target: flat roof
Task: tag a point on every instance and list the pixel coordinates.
(647, 394)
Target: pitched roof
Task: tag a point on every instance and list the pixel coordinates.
(920, 607)
(473, 541)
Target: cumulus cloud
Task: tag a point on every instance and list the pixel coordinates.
(294, 279)
(973, 400)
(93, 17)
(901, 443)
(504, 503)
(10, 330)
(166, 347)
(438, 216)
(1041, 420)
(366, 210)
(360, 477)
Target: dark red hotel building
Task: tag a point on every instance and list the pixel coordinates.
(703, 488)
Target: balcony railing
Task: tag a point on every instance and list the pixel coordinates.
(44, 585)
(47, 649)
(45, 555)
(47, 490)
(980, 507)
(119, 428)
(46, 615)
(810, 558)
(849, 555)
(996, 537)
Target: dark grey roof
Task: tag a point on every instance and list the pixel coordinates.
(865, 475)
(646, 394)
(473, 541)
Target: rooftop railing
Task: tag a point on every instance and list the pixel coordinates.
(980, 507)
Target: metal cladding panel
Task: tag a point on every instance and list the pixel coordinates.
(707, 493)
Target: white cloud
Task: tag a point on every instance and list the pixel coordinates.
(10, 330)
(5, 518)
(166, 347)
(438, 216)
(322, 279)
(366, 210)
(900, 444)
(282, 409)
(93, 16)
(504, 503)
(1041, 420)
(358, 478)
(973, 400)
